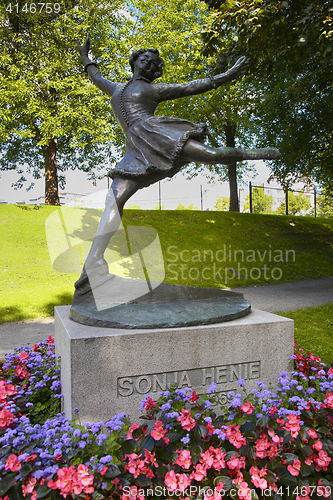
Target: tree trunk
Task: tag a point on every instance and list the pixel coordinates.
(51, 175)
(230, 132)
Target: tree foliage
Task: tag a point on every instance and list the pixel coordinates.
(222, 204)
(298, 204)
(261, 202)
(290, 45)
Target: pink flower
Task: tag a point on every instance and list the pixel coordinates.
(171, 480)
(21, 372)
(261, 445)
(312, 433)
(184, 459)
(233, 463)
(244, 491)
(292, 423)
(329, 399)
(215, 496)
(199, 473)
(13, 463)
(322, 461)
(247, 408)
(29, 486)
(159, 432)
(133, 494)
(295, 468)
(131, 429)
(24, 355)
(234, 436)
(185, 419)
(318, 445)
(207, 459)
(218, 455)
(6, 418)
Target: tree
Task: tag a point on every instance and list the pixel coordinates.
(290, 44)
(297, 204)
(324, 204)
(182, 207)
(177, 31)
(261, 202)
(52, 119)
(222, 204)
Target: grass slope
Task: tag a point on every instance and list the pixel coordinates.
(314, 330)
(198, 248)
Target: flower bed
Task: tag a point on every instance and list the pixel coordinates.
(262, 446)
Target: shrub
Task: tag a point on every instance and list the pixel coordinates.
(262, 445)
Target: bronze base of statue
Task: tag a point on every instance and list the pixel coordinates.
(166, 306)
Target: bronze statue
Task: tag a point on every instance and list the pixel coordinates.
(156, 146)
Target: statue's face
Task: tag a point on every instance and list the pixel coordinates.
(146, 65)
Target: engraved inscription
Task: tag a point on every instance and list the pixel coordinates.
(198, 379)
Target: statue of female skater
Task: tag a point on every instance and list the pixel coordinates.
(156, 146)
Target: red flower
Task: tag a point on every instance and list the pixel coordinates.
(194, 397)
(150, 404)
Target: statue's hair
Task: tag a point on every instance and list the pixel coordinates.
(137, 53)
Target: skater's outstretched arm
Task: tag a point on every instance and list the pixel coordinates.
(90, 66)
(174, 91)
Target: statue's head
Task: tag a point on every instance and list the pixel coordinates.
(147, 63)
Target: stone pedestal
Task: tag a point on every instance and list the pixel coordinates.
(105, 371)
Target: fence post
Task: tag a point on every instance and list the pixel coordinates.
(250, 193)
(315, 203)
(201, 199)
(159, 195)
(287, 201)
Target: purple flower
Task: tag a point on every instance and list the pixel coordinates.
(220, 434)
(212, 388)
(185, 439)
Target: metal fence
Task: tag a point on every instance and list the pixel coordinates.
(283, 196)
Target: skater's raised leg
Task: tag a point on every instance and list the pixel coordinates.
(198, 152)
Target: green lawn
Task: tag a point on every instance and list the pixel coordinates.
(210, 249)
(314, 330)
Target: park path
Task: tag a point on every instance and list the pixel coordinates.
(271, 298)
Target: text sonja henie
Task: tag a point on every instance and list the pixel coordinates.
(199, 379)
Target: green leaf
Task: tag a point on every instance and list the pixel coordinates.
(323, 430)
(196, 453)
(200, 432)
(26, 469)
(289, 458)
(262, 421)
(275, 463)
(286, 478)
(306, 470)
(43, 491)
(173, 436)
(148, 443)
(226, 480)
(6, 483)
(112, 472)
(128, 446)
